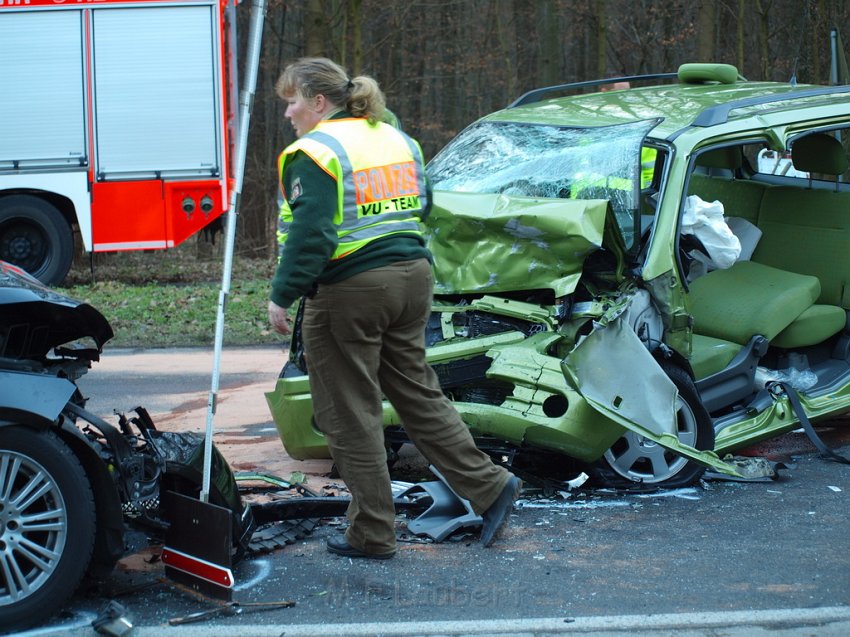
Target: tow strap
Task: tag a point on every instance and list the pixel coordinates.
(797, 408)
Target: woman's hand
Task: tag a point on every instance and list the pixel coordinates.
(279, 319)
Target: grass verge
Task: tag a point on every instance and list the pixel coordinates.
(170, 298)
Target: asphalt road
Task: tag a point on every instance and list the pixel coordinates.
(720, 558)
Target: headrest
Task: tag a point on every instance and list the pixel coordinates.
(729, 157)
(819, 153)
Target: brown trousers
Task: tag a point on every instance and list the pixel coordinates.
(365, 337)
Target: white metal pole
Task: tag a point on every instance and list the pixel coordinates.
(246, 100)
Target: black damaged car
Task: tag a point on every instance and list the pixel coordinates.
(72, 484)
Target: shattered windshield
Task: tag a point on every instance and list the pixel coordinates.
(547, 161)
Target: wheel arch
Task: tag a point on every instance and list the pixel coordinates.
(109, 536)
(62, 203)
(36, 422)
(70, 192)
(37, 236)
(675, 358)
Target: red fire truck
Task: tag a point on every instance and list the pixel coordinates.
(117, 120)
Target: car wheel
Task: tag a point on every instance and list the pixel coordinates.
(47, 525)
(635, 459)
(36, 237)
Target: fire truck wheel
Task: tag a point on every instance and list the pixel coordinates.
(47, 525)
(35, 236)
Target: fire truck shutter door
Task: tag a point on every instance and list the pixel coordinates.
(41, 79)
(155, 92)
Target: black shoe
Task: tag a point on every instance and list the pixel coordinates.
(340, 546)
(497, 516)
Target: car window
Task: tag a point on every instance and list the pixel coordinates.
(768, 162)
(775, 162)
(547, 161)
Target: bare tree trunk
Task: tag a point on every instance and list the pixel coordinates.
(354, 19)
(549, 46)
(507, 43)
(706, 22)
(670, 59)
(601, 11)
(315, 29)
(579, 49)
(820, 28)
(739, 41)
(267, 136)
(762, 10)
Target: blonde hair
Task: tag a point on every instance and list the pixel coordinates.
(361, 96)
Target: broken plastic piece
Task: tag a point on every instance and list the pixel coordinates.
(447, 513)
(576, 482)
(246, 476)
(801, 380)
(751, 469)
(113, 620)
(297, 477)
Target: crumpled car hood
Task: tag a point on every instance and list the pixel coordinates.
(484, 243)
(35, 319)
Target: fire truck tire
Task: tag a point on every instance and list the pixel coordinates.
(47, 525)
(35, 236)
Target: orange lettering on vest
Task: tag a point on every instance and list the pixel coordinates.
(385, 182)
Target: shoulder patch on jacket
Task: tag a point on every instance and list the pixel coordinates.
(296, 190)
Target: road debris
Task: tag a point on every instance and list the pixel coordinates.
(752, 469)
(228, 610)
(113, 620)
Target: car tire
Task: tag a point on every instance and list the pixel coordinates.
(635, 461)
(36, 237)
(41, 476)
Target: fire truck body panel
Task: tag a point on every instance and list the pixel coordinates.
(128, 98)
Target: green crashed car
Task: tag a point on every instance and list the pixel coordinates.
(635, 281)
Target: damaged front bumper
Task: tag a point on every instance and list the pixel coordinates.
(514, 386)
(541, 411)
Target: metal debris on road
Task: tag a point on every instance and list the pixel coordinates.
(229, 609)
(113, 620)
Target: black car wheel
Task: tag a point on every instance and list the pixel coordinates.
(47, 525)
(35, 236)
(634, 459)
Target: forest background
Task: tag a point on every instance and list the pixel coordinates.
(444, 63)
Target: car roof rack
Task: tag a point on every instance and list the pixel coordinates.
(537, 94)
(719, 113)
(688, 73)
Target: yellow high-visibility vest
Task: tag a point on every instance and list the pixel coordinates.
(380, 177)
(647, 165)
(647, 169)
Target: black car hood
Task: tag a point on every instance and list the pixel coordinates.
(35, 319)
